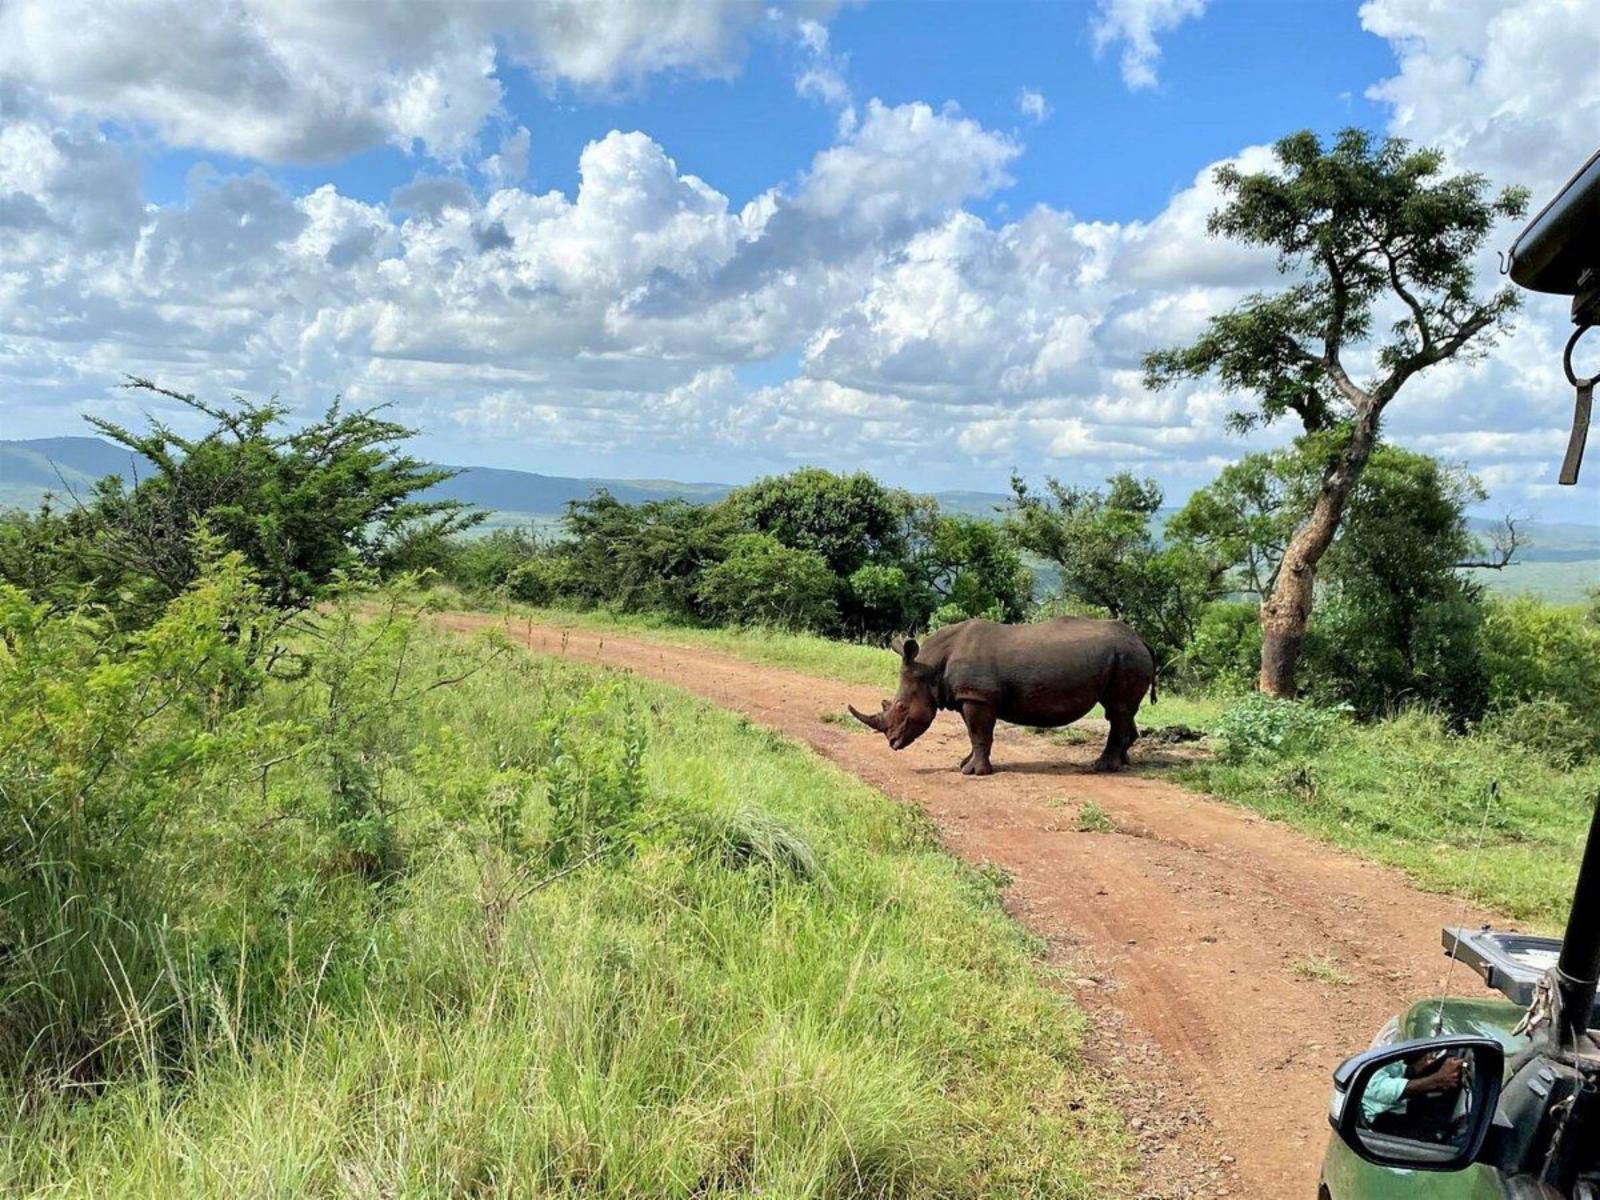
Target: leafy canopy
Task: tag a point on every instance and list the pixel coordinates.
(1109, 559)
(300, 506)
(1357, 227)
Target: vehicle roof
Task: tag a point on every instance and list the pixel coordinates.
(1563, 239)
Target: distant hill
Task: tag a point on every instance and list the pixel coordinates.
(64, 465)
(29, 469)
(1560, 561)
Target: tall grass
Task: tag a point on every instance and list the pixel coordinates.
(750, 975)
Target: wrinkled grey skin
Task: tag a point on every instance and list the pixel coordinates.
(1043, 675)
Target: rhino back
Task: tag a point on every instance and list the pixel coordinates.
(1049, 671)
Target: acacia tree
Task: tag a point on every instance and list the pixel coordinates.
(1360, 228)
(300, 505)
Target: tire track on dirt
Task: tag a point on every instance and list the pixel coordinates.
(1179, 932)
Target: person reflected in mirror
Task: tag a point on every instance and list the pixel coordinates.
(1417, 1097)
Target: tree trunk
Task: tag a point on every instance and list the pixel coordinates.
(1287, 609)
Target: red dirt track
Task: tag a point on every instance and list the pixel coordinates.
(1179, 932)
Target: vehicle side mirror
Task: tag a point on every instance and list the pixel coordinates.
(1425, 1105)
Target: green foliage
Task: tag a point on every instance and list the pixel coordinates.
(55, 556)
(884, 598)
(764, 582)
(1547, 727)
(487, 563)
(1226, 648)
(850, 520)
(300, 506)
(109, 744)
(546, 577)
(1354, 225)
(1533, 651)
(1109, 560)
(644, 557)
(811, 550)
(594, 776)
(1397, 623)
(1243, 519)
(1408, 792)
(975, 568)
(1261, 728)
(698, 963)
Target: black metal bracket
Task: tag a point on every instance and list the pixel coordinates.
(1581, 409)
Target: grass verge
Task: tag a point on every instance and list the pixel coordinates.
(780, 985)
(1406, 793)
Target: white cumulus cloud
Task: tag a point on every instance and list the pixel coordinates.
(1135, 25)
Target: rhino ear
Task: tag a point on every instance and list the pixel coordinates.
(908, 652)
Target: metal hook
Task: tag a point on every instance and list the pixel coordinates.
(1566, 359)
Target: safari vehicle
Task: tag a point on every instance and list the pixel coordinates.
(1473, 1099)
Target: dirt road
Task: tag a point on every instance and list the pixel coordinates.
(1229, 962)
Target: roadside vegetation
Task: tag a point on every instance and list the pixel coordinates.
(353, 923)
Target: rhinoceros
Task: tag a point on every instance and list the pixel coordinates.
(1042, 675)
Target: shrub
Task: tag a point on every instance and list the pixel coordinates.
(487, 563)
(546, 578)
(1226, 648)
(1549, 728)
(106, 739)
(885, 599)
(1379, 650)
(1260, 727)
(593, 778)
(765, 582)
(1533, 650)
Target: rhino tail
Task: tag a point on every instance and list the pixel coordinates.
(1155, 669)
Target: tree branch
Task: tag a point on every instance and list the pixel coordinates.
(1505, 541)
(1419, 314)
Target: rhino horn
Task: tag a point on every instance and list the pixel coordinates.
(875, 721)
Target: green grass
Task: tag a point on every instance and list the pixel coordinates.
(1322, 970)
(786, 988)
(1406, 793)
(1094, 819)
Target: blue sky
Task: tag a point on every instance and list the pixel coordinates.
(712, 238)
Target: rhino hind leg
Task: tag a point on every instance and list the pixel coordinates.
(1123, 734)
(979, 718)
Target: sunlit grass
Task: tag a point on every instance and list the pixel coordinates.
(787, 989)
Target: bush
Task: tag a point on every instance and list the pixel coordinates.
(546, 578)
(106, 742)
(1380, 653)
(885, 599)
(1226, 649)
(1260, 728)
(486, 564)
(1547, 727)
(1533, 650)
(763, 582)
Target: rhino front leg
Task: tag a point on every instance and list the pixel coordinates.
(979, 718)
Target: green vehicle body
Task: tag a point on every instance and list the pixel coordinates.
(1347, 1177)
